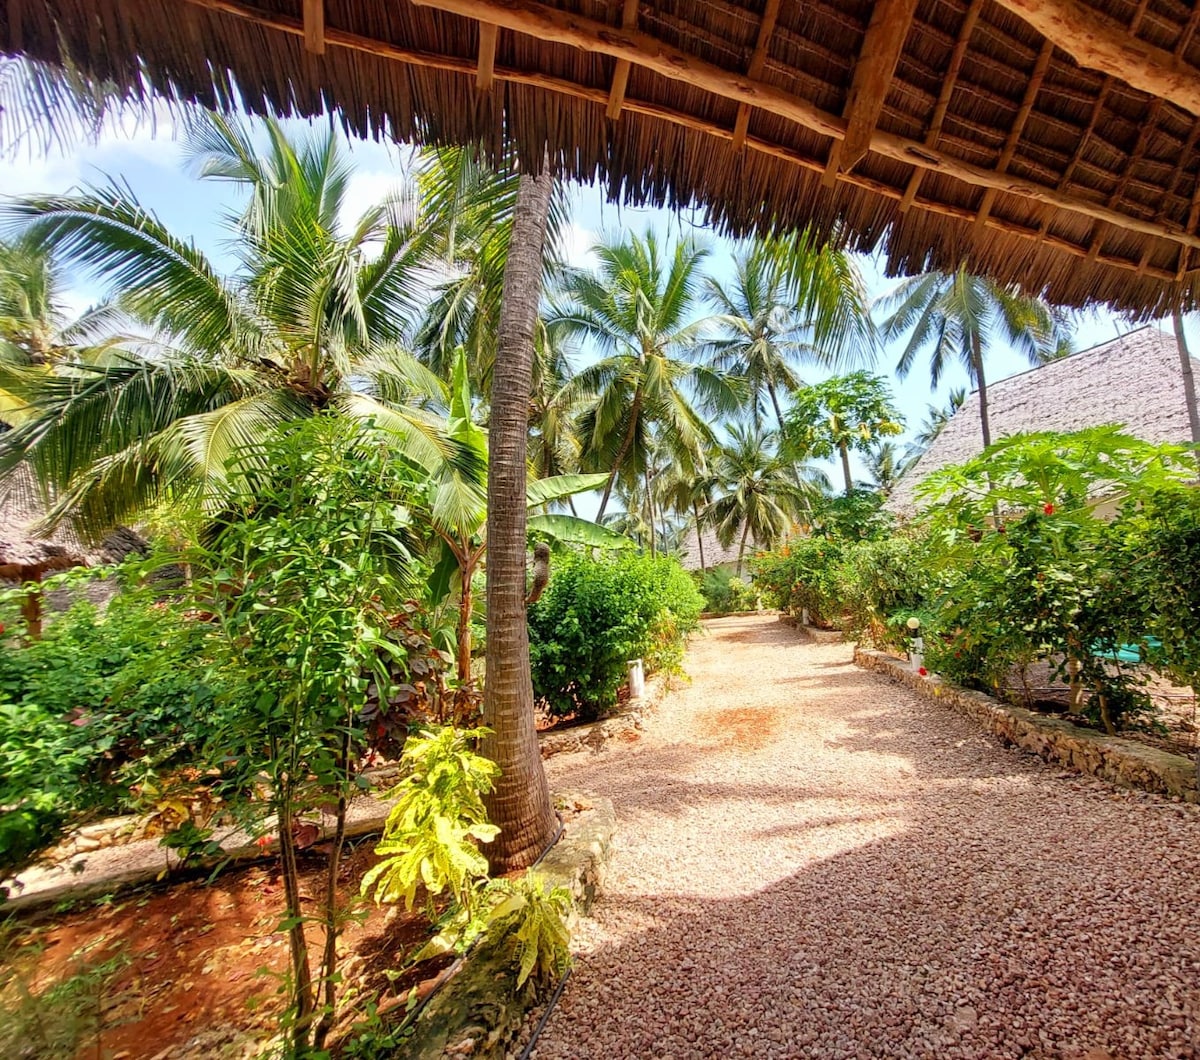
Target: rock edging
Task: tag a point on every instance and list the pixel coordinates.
(479, 1012)
(625, 726)
(1123, 762)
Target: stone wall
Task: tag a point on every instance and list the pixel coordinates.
(1124, 762)
(624, 726)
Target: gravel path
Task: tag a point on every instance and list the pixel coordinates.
(811, 862)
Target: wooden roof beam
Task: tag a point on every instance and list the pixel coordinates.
(934, 132)
(314, 26)
(595, 36)
(485, 68)
(1098, 42)
(620, 81)
(758, 60)
(1018, 127)
(873, 73)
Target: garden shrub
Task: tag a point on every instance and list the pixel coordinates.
(724, 595)
(102, 703)
(802, 576)
(881, 583)
(596, 615)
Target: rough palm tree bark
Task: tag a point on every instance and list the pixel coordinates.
(844, 450)
(699, 535)
(520, 805)
(981, 382)
(1189, 379)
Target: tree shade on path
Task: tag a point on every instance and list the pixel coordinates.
(813, 862)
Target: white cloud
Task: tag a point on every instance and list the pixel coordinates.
(577, 243)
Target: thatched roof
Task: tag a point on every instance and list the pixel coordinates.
(24, 551)
(943, 131)
(1134, 381)
(715, 554)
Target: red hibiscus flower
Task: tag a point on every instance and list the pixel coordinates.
(922, 671)
(1048, 509)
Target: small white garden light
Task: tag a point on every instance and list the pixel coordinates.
(916, 654)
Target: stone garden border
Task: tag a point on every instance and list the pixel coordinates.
(625, 725)
(1124, 762)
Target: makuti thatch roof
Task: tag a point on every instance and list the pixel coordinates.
(26, 553)
(1048, 142)
(1134, 381)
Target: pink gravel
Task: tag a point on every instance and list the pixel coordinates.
(810, 862)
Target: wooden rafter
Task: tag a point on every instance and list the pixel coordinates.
(1131, 161)
(758, 60)
(934, 132)
(1032, 88)
(1098, 42)
(485, 68)
(886, 144)
(314, 26)
(1106, 86)
(873, 73)
(620, 81)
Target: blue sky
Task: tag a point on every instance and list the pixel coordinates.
(151, 162)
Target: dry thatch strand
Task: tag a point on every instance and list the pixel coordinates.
(986, 143)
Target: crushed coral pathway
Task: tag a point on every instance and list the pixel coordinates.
(811, 862)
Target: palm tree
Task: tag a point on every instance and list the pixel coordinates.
(885, 465)
(1189, 380)
(467, 206)
(554, 447)
(312, 319)
(760, 494)
(956, 315)
(685, 488)
(636, 308)
(788, 303)
(520, 804)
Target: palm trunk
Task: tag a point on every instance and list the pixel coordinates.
(699, 536)
(775, 403)
(981, 382)
(520, 804)
(842, 448)
(464, 627)
(635, 410)
(650, 515)
(1189, 381)
(742, 547)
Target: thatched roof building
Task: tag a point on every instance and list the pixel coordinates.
(27, 554)
(1050, 143)
(1134, 381)
(715, 554)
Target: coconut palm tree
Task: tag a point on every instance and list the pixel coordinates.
(787, 304)
(956, 315)
(637, 309)
(520, 804)
(554, 447)
(885, 465)
(1189, 380)
(760, 495)
(313, 318)
(467, 207)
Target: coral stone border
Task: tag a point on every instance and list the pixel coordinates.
(1123, 762)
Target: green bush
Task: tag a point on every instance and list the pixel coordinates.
(882, 583)
(802, 576)
(596, 615)
(99, 704)
(724, 595)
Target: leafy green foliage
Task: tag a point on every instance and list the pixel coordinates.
(724, 595)
(102, 703)
(597, 615)
(534, 914)
(431, 834)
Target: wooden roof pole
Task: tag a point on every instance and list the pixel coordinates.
(873, 73)
(888, 145)
(1018, 127)
(620, 81)
(314, 26)
(1098, 42)
(758, 60)
(485, 68)
(943, 101)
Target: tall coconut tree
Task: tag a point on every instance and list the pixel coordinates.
(787, 304)
(759, 494)
(956, 316)
(637, 308)
(1189, 380)
(520, 804)
(312, 318)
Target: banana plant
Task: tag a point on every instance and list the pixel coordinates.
(456, 495)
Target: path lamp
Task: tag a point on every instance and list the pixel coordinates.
(916, 651)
